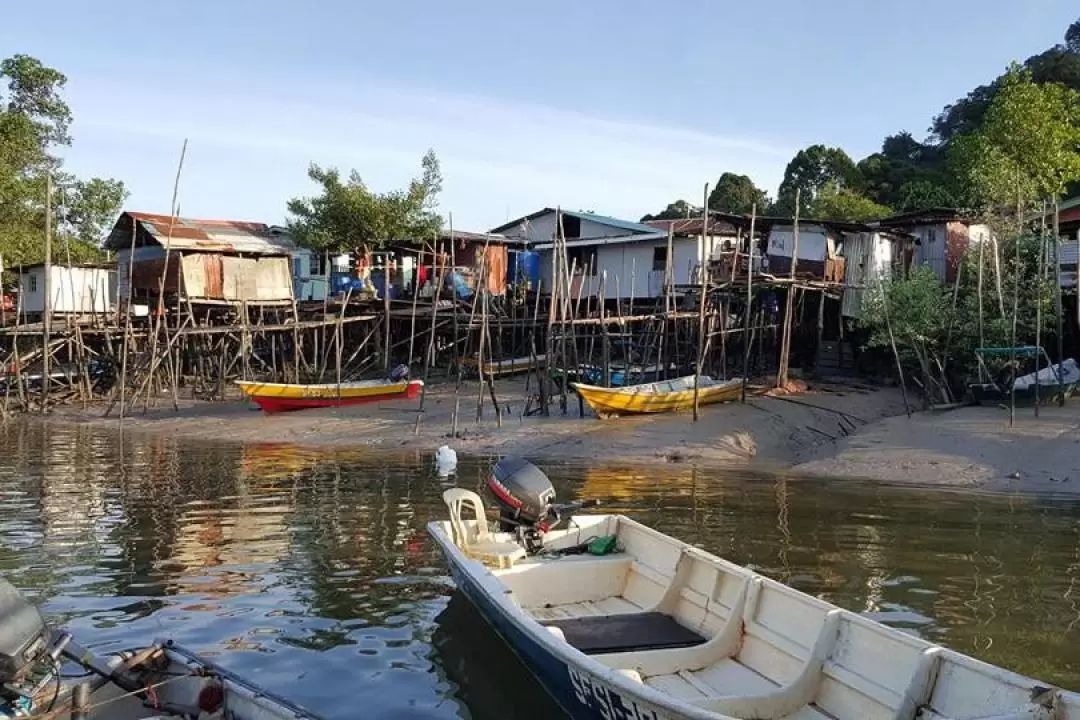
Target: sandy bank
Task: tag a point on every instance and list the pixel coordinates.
(969, 448)
(770, 431)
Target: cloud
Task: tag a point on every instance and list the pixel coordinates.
(498, 157)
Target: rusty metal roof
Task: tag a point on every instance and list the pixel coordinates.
(189, 234)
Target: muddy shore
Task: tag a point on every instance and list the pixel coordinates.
(849, 431)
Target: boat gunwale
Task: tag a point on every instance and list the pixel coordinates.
(640, 389)
(352, 385)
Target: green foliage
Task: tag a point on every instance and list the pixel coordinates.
(918, 308)
(834, 202)
(737, 194)
(347, 215)
(924, 320)
(907, 175)
(810, 171)
(674, 211)
(34, 121)
(1028, 146)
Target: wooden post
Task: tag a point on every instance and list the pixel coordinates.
(1057, 301)
(749, 302)
(703, 273)
(46, 320)
(892, 342)
(1016, 301)
(416, 296)
(605, 346)
(1040, 272)
(789, 307)
(429, 355)
(386, 312)
(979, 288)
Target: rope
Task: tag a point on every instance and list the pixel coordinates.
(150, 689)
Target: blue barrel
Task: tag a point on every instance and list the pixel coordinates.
(529, 267)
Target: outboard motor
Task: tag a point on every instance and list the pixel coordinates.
(399, 373)
(526, 500)
(28, 652)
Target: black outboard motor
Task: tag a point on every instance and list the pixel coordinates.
(526, 500)
(399, 373)
(28, 651)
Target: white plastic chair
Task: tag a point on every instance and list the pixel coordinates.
(480, 545)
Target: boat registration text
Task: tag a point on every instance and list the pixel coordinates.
(609, 703)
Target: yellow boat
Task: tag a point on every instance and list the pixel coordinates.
(657, 397)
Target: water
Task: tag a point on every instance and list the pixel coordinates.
(310, 571)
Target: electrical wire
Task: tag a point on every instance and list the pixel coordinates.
(57, 668)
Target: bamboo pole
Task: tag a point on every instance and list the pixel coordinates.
(386, 311)
(1016, 300)
(979, 290)
(1039, 273)
(46, 320)
(703, 272)
(429, 355)
(1057, 301)
(564, 295)
(892, 342)
(412, 314)
(747, 340)
(789, 307)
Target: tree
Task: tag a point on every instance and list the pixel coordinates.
(678, 210)
(1059, 64)
(737, 194)
(34, 121)
(348, 215)
(1028, 147)
(907, 175)
(1072, 38)
(834, 202)
(810, 171)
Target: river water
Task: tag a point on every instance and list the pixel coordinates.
(309, 570)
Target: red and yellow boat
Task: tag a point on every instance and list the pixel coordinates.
(283, 397)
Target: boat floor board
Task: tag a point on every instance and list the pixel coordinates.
(632, 632)
(727, 678)
(607, 606)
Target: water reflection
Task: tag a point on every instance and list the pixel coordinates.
(309, 568)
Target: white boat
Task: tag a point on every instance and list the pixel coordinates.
(162, 680)
(662, 629)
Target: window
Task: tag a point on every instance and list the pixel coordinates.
(571, 226)
(582, 259)
(31, 284)
(931, 235)
(659, 258)
(318, 264)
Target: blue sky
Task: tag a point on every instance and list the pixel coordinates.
(618, 106)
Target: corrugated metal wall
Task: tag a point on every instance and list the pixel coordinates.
(932, 248)
(868, 261)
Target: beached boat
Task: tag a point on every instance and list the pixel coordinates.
(657, 397)
(1054, 382)
(283, 397)
(617, 620)
(618, 374)
(158, 681)
(510, 366)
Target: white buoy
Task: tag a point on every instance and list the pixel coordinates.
(445, 461)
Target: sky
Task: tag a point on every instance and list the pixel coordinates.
(614, 106)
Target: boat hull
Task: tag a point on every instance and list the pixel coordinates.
(580, 695)
(608, 402)
(277, 398)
